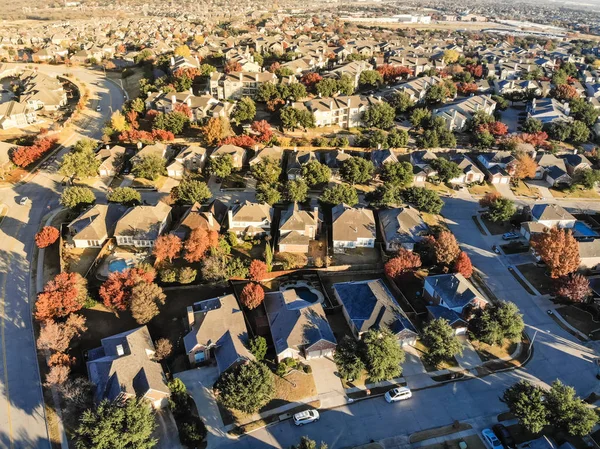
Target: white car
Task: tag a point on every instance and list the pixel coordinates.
(491, 440)
(398, 394)
(98, 108)
(23, 201)
(306, 417)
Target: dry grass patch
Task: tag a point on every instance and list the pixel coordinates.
(441, 432)
(575, 193)
(440, 188)
(482, 189)
(487, 352)
(447, 364)
(522, 189)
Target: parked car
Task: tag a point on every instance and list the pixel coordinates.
(23, 201)
(306, 417)
(504, 436)
(98, 108)
(398, 394)
(490, 439)
(510, 236)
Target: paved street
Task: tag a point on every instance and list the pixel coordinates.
(22, 422)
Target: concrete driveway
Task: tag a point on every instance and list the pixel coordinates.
(469, 358)
(166, 431)
(329, 385)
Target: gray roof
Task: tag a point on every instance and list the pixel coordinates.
(295, 219)
(143, 222)
(349, 223)
(403, 225)
(454, 289)
(97, 223)
(449, 315)
(589, 248)
(544, 212)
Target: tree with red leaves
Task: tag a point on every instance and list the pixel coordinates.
(252, 295)
(132, 119)
(151, 114)
(558, 249)
(310, 79)
(497, 129)
(240, 141)
(162, 135)
(274, 104)
(257, 270)
(463, 265)
(63, 295)
(166, 247)
(475, 70)
(466, 88)
(489, 198)
(264, 130)
(23, 156)
(46, 237)
(536, 139)
(391, 73)
(232, 66)
(274, 67)
(184, 109)
(405, 260)
(446, 248)
(198, 243)
(575, 287)
(116, 290)
(565, 92)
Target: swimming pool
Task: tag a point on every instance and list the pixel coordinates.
(117, 265)
(306, 294)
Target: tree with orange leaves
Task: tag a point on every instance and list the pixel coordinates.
(63, 295)
(198, 243)
(558, 249)
(46, 237)
(257, 270)
(463, 265)
(166, 247)
(525, 166)
(116, 290)
(232, 66)
(405, 260)
(252, 295)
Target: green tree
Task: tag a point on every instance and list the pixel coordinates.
(125, 195)
(380, 115)
(382, 354)
(484, 139)
(81, 162)
(77, 197)
(267, 91)
(397, 138)
(501, 209)
(526, 402)
(345, 85)
(137, 105)
(420, 117)
(385, 195)
(584, 111)
(113, 425)
(296, 191)
(559, 131)
(307, 443)
(246, 388)
(220, 166)
(347, 358)
(190, 191)
(206, 70)
(327, 87)
(378, 139)
(370, 78)
(401, 101)
(441, 342)
(580, 133)
(532, 125)
(244, 111)
(268, 193)
(397, 173)
(446, 170)
(258, 347)
(568, 412)
(497, 323)
(357, 170)
(292, 118)
(267, 171)
(588, 178)
(423, 199)
(340, 193)
(313, 172)
(296, 91)
(149, 167)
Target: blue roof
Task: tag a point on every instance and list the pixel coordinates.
(454, 289)
(442, 312)
(581, 229)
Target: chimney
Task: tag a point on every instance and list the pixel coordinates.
(189, 102)
(120, 350)
(256, 77)
(241, 76)
(379, 146)
(173, 99)
(210, 219)
(230, 218)
(349, 102)
(330, 104)
(191, 91)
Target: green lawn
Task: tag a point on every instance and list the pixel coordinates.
(496, 228)
(447, 364)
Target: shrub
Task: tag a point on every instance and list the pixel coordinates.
(168, 275)
(187, 275)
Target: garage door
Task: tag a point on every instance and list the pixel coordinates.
(461, 331)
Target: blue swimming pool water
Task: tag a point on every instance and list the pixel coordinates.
(306, 294)
(117, 265)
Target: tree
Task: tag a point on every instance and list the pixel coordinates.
(497, 323)
(232, 66)
(166, 247)
(347, 358)
(380, 115)
(81, 162)
(307, 443)
(441, 342)
(174, 121)
(420, 117)
(463, 265)
(116, 290)
(340, 194)
(125, 195)
(245, 110)
(382, 354)
(526, 402)
(446, 170)
(149, 167)
(423, 199)
(397, 138)
(357, 170)
(446, 248)
(198, 243)
(313, 172)
(213, 130)
(267, 170)
(191, 191)
(532, 125)
(326, 87)
(502, 209)
(565, 92)
(584, 111)
(114, 424)
(46, 237)
(292, 118)
(401, 101)
(397, 173)
(296, 191)
(57, 375)
(269, 256)
(405, 260)
(568, 412)
(310, 79)
(451, 56)
(525, 167)
(370, 78)
(246, 387)
(579, 132)
(258, 347)
(56, 337)
(220, 166)
(489, 198)
(145, 298)
(385, 195)
(574, 287)
(182, 50)
(588, 178)
(257, 270)
(264, 130)
(163, 349)
(77, 197)
(345, 84)
(214, 268)
(558, 249)
(64, 294)
(267, 91)
(267, 193)
(118, 122)
(252, 295)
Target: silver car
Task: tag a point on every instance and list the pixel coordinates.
(306, 417)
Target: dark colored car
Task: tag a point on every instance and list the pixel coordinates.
(504, 436)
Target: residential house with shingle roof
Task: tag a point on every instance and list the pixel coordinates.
(198, 217)
(352, 228)
(274, 153)
(297, 228)
(123, 367)
(217, 331)
(344, 111)
(457, 115)
(421, 162)
(189, 160)
(498, 165)
(250, 219)
(548, 110)
(456, 322)
(111, 160)
(402, 228)
(93, 227)
(142, 225)
(295, 160)
(370, 305)
(16, 115)
(551, 168)
(452, 291)
(236, 85)
(238, 154)
(470, 171)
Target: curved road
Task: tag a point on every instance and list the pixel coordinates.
(22, 418)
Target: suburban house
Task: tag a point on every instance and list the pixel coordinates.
(297, 228)
(334, 160)
(197, 217)
(454, 319)
(16, 115)
(201, 106)
(344, 111)
(352, 228)
(111, 160)
(299, 328)
(250, 219)
(458, 114)
(295, 160)
(417, 88)
(273, 153)
(452, 291)
(238, 154)
(93, 227)
(157, 149)
(370, 305)
(236, 85)
(217, 331)
(401, 228)
(499, 165)
(353, 69)
(421, 162)
(505, 86)
(575, 162)
(123, 367)
(381, 157)
(190, 159)
(470, 172)
(142, 225)
(546, 216)
(551, 168)
(548, 110)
